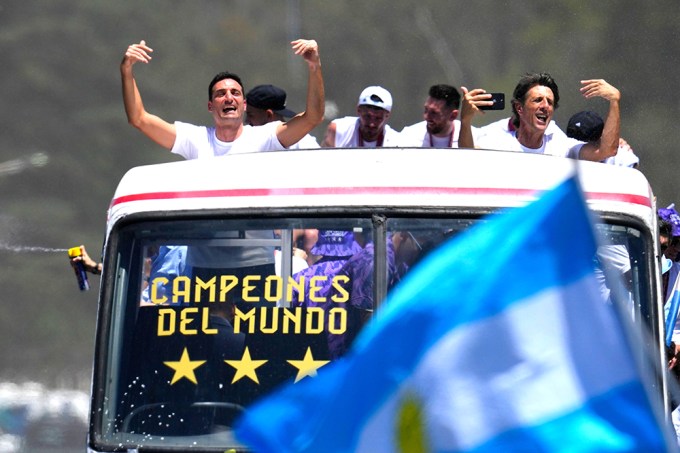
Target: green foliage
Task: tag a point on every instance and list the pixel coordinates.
(61, 99)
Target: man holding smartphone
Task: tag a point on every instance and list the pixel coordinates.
(440, 127)
(534, 101)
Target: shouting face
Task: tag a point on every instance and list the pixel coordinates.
(537, 109)
(228, 102)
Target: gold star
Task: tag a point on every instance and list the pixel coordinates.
(184, 368)
(246, 367)
(307, 366)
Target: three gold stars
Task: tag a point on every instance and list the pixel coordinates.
(245, 367)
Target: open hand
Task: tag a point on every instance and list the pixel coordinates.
(308, 48)
(137, 53)
(599, 88)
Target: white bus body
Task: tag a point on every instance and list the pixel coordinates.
(250, 203)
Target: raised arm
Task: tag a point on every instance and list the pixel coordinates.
(609, 141)
(470, 104)
(157, 129)
(300, 125)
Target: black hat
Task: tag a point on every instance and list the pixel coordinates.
(585, 126)
(269, 97)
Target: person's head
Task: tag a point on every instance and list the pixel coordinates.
(335, 243)
(225, 309)
(670, 247)
(666, 241)
(534, 101)
(669, 232)
(441, 108)
(412, 246)
(226, 98)
(664, 233)
(374, 107)
(266, 103)
(586, 126)
(223, 76)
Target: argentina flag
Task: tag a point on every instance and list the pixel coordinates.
(497, 341)
(672, 304)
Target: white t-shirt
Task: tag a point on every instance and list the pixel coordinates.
(497, 127)
(417, 135)
(306, 142)
(498, 135)
(298, 264)
(625, 157)
(347, 134)
(199, 142)
(503, 126)
(614, 261)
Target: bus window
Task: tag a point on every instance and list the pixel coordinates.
(622, 258)
(209, 315)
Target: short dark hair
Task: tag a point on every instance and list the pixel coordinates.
(222, 76)
(665, 228)
(528, 81)
(446, 93)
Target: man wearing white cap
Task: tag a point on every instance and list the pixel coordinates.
(370, 128)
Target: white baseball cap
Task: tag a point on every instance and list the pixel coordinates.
(377, 97)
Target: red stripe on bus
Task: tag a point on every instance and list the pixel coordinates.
(622, 197)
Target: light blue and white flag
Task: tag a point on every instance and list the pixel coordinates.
(498, 341)
(672, 305)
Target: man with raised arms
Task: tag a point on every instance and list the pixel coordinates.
(227, 104)
(229, 135)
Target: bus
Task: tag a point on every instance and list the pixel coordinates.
(225, 278)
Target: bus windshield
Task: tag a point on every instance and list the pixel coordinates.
(203, 316)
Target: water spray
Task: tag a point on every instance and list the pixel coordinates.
(29, 249)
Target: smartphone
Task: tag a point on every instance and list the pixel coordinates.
(498, 100)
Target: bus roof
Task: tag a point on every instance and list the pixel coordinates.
(408, 177)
